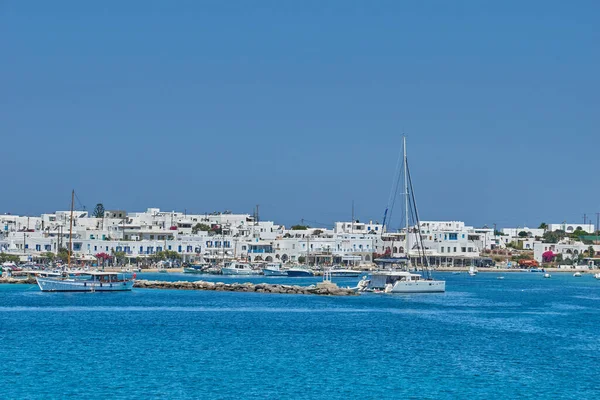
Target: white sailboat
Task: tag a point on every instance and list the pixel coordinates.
(405, 281)
(83, 281)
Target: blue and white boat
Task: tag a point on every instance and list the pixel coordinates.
(235, 268)
(299, 272)
(274, 269)
(88, 282)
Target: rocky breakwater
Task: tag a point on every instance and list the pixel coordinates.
(27, 281)
(323, 289)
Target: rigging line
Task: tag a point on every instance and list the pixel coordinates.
(317, 223)
(393, 191)
(412, 192)
(79, 201)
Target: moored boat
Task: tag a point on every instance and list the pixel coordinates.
(401, 282)
(341, 272)
(296, 272)
(274, 269)
(235, 268)
(88, 282)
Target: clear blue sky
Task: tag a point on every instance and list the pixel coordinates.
(299, 106)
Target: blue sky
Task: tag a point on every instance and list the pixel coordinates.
(300, 107)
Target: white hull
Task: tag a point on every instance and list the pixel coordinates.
(238, 271)
(348, 273)
(420, 286)
(274, 272)
(77, 285)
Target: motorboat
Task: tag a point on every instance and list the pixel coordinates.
(547, 275)
(236, 268)
(296, 272)
(342, 272)
(597, 275)
(194, 269)
(500, 277)
(400, 282)
(577, 274)
(87, 282)
(274, 269)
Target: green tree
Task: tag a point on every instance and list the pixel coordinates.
(317, 232)
(553, 237)
(120, 257)
(523, 234)
(63, 254)
(577, 233)
(543, 226)
(48, 256)
(300, 227)
(301, 259)
(8, 258)
(98, 211)
(591, 252)
(200, 227)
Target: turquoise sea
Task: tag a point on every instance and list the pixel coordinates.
(521, 337)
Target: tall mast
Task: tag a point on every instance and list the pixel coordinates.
(406, 199)
(71, 229)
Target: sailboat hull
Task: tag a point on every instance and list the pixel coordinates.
(73, 285)
(419, 286)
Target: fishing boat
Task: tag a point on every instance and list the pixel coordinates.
(235, 268)
(274, 269)
(83, 281)
(90, 282)
(407, 280)
(297, 272)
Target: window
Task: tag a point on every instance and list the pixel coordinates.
(463, 249)
(453, 236)
(442, 249)
(151, 237)
(455, 249)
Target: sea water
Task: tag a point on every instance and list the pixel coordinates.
(520, 337)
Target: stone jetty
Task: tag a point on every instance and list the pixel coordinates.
(323, 289)
(11, 280)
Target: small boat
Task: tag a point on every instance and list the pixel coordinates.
(341, 272)
(162, 271)
(547, 275)
(500, 277)
(472, 271)
(577, 274)
(274, 269)
(299, 272)
(597, 275)
(235, 268)
(194, 269)
(88, 282)
(456, 273)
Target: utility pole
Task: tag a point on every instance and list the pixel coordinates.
(584, 218)
(597, 225)
(352, 227)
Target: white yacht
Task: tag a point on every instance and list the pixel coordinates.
(343, 272)
(88, 282)
(236, 268)
(274, 269)
(400, 282)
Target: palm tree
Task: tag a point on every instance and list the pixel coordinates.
(543, 226)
